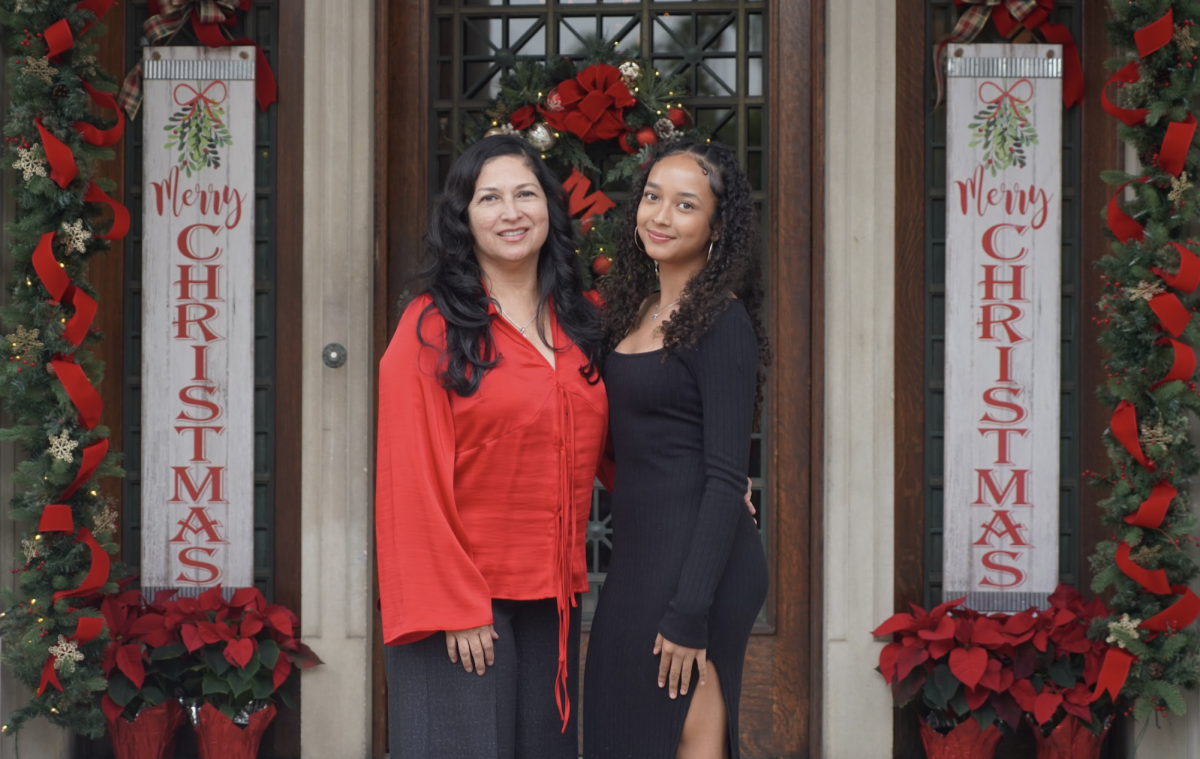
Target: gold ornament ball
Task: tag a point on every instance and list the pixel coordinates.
(493, 132)
(541, 136)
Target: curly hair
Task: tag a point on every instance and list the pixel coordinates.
(454, 279)
(735, 265)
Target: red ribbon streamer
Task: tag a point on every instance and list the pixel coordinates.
(85, 632)
(63, 168)
(1187, 278)
(1057, 34)
(1171, 312)
(58, 38)
(1154, 509)
(120, 226)
(1173, 153)
(102, 138)
(82, 394)
(1183, 367)
(1176, 616)
(46, 265)
(56, 518)
(1114, 673)
(77, 326)
(97, 7)
(96, 576)
(1124, 429)
(1128, 74)
(93, 455)
(1155, 35)
(264, 82)
(1121, 223)
(1153, 580)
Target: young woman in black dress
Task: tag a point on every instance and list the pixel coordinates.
(687, 576)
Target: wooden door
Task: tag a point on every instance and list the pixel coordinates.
(756, 72)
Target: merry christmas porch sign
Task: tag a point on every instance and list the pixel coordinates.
(1003, 302)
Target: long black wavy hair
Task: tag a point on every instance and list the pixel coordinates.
(454, 280)
(735, 265)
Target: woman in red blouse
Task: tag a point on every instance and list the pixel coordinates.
(492, 422)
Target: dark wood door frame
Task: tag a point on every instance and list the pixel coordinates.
(787, 704)
(1100, 149)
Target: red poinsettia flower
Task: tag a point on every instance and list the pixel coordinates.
(590, 106)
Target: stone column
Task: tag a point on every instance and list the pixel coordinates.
(337, 483)
(860, 254)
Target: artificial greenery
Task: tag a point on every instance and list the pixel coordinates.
(1137, 358)
(36, 402)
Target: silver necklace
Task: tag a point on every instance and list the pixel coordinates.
(661, 307)
(510, 319)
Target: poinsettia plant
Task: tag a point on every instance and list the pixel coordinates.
(142, 661)
(962, 663)
(235, 652)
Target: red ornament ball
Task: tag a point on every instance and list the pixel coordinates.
(646, 137)
(678, 117)
(601, 265)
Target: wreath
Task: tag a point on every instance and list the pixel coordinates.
(606, 110)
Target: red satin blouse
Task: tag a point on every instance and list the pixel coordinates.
(486, 496)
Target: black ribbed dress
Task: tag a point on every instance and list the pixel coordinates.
(687, 560)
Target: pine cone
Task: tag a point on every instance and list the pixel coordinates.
(61, 91)
(1156, 670)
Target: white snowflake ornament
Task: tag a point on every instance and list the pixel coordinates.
(31, 162)
(29, 547)
(65, 654)
(61, 446)
(76, 236)
(105, 519)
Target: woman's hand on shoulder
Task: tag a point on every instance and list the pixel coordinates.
(675, 666)
(473, 647)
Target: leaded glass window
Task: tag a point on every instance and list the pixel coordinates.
(939, 19)
(717, 45)
(259, 24)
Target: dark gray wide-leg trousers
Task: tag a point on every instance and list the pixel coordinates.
(437, 710)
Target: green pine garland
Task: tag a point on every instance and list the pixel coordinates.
(1164, 205)
(37, 404)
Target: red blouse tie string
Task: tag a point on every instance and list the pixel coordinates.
(566, 547)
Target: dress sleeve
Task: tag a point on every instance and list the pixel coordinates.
(724, 365)
(427, 579)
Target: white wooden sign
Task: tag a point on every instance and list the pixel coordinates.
(198, 318)
(1003, 301)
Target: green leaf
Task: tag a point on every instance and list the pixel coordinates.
(121, 690)
(169, 651)
(263, 687)
(947, 683)
(1060, 673)
(268, 653)
(215, 687)
(153, 694)
(216, 660)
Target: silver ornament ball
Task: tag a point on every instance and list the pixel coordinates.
(541, 136)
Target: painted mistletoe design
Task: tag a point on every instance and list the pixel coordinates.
(1002, 128)
(198, 129)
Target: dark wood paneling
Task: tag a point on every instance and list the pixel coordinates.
(401, 206)
(909, 356)
(289, 315)
(1101, 149)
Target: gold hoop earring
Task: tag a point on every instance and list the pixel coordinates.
(710, 244)
(638, 239)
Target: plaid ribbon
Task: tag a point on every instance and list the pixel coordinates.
(971, 23)
(161, 28)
